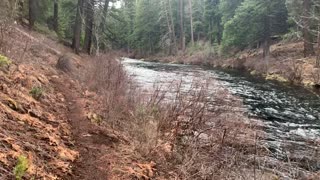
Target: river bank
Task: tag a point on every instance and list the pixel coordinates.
(277, 106)
(286, 63)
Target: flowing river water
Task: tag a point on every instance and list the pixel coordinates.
(290, 114)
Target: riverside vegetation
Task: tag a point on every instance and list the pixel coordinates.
(70, 111)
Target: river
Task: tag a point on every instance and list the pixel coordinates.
(290, 114)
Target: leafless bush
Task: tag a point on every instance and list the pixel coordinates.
(191, 133)
(107, 78)
(316, 75)
(186, 131)
(206, 137)
(295, 72)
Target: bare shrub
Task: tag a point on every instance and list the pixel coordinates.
(202, 140)
(316, 75)
(239, 63)
(181, 128)
(191, 132)
(106, 77)
(295, 72)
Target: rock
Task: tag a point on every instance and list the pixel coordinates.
(276, 77)
(15, 106)
(95, 118)
(65, 63)
(317, 86)
(4, 88)
(254, 72)
(42, 79)
(35, 113)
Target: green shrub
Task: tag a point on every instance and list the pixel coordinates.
(36, 92)
(21, 167)
(4, 61)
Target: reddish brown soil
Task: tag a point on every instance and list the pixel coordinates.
(54, 133)
(89, 141)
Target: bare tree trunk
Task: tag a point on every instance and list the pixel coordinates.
(55, 16)
(307, 36)
(77, 28)
(191, 22)
(182, 37)
(89, 26)
(32, 13)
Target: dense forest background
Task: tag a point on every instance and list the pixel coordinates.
(170, 27)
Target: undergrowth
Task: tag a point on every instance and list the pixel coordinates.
(190, 133)
(21, 167)
(37, 92)
(173, 126)
(4, 61)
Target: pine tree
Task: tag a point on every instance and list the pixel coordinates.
(89, 7)
(32, 12)
(55, 16)
(78, 27)
(255, 21)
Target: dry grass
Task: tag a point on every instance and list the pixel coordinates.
(188, 136)
(189, 133)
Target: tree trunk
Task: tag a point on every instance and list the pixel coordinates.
(267, 35)
(20, 10)
(165, 9)
(89, 26)
(318, 48)
(104, 15)
(101, 28)
(170, 25)
(173, 29)
(32, 13)
(182, 37)
(55, 16)
(77, 28)
(307, 36)
(191, 22)
(266, 49)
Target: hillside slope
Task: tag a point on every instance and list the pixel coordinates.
(33, 112)
(51, 127)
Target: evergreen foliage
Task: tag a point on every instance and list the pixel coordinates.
(148, 27)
